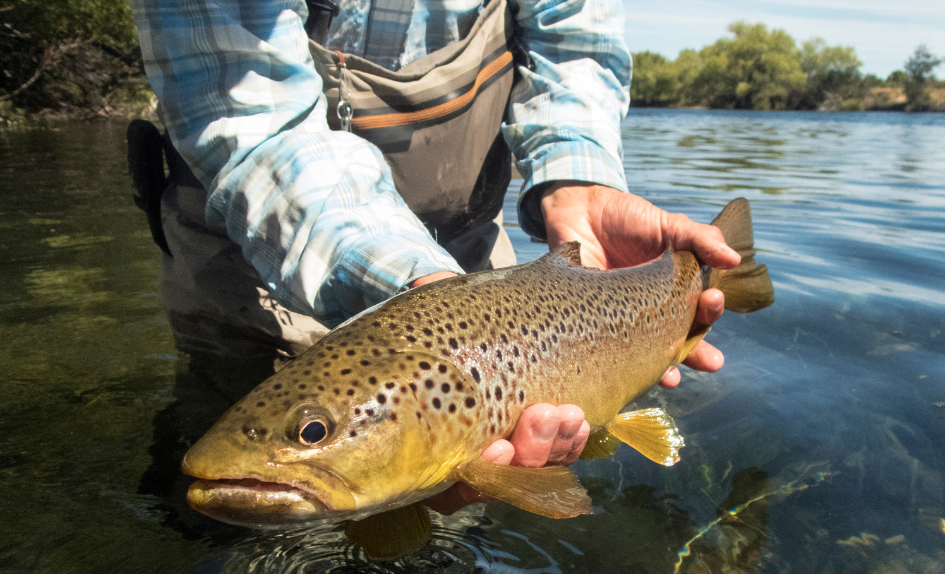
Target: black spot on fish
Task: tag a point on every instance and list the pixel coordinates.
(484, 347)
(372, 380)
(521, 396)
(365, 362)
(515, 351)
(350, 392)
(436, 403)
(389, 385)
(382, 398)
(352, 434)
(277, 386)
(425, 365)
(498, 393)
(411, 338)
(351, 352)
(413, 387)
(393, 417)
(452, 408)
(442, 368)
(428, 383)
(475, 373)
(307, 372)
(369, 412)
(419, 416)
(470, 402)
(345, 371)
(511, 366)
(453, 343)
(463, 325)
(261, 404)
(445, 387)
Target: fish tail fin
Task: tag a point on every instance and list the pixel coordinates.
(389, 535)
(650, 431)
(747, 287)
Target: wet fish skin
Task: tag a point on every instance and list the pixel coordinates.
(412, 392)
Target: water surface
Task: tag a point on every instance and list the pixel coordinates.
(816, 449)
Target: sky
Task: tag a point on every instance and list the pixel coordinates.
(884, 33)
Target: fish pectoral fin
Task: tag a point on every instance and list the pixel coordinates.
(552, 491)
(652, 432)
(600, 444)
(392, 534)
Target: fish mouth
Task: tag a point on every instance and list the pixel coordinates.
(256, 503)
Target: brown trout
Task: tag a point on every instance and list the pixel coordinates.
(398, 403)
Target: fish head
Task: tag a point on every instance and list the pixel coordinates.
(344, 441)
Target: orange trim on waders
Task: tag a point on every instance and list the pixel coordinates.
(438, 111)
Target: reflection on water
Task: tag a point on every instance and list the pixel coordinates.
(816, 449)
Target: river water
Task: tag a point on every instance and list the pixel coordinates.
(818, 448)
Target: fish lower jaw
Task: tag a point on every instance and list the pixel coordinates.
(256, 503)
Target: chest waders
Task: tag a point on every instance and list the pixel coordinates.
(437, 121)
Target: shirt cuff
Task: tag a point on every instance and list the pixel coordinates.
(577, 161)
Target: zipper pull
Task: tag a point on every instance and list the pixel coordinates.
(344, 110)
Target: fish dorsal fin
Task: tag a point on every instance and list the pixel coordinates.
(552, 491)
(600, 444)
(565, 254)
(650, 431)
(392, 534)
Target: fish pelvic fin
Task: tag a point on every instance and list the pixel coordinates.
(600, 444)
(650, 431)
(389, 535)
(552, 491)
(747, 287)
(565, 254)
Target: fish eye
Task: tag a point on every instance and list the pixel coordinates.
(313, 430)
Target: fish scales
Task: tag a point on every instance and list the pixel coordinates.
(399, 402)
(543, 332)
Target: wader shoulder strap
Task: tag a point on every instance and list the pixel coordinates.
(437, 121)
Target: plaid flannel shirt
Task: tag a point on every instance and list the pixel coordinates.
(315, 211)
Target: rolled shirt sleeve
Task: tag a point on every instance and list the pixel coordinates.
(314, 211)
(564, 115)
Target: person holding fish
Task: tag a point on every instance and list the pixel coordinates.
(319, 166)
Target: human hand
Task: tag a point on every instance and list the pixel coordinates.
(619, 229)
(545, 435)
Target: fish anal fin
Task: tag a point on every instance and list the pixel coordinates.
(747, 287)
(697, 332)
(652, 432)
(600, 444)
(552, 491)
(389, 535)
(567, 254)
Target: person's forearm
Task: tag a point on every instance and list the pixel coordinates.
(564, 115)
(314, 211)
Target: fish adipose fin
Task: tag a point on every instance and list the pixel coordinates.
(650, 431)
(552, 491)
(600, 444)
(747, 287)
(392, 534)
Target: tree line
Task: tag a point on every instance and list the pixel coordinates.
(78, 57)
(68, 56)
(761, 69)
